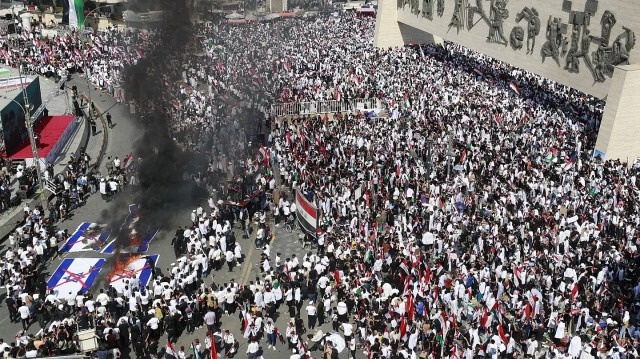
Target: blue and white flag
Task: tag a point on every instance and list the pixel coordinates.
(74, 275)
(141, 269)
(87, 237)
(137, 239)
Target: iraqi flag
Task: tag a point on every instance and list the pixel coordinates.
(411, 308)
(307, 213)
(574, 292)
(337, 278)
(568, 165)
(170, 353)
(502, 334)
(246, 324)
(484, 318)
(74, 275)
(87, 237)
(528, 310)
(515, 88)
(139, 52)
(214, 350)
(266, 156)
(128, 161)
(403, 328)
(478, 71)
(463, 156)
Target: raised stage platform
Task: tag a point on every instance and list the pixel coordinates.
(54, 131)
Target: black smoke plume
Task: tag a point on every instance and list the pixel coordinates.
(160, 163)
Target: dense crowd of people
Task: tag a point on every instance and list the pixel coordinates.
(102, 56)
(471, 222)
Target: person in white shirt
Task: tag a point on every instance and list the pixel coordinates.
(252, 348)
(102, 298)
(229, 341)
(312, 312)
(230, 301)
(229, 257)
(271, 332)
(348, 330)
(25, 315)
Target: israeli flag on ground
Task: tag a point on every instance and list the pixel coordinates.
(138, 239)
(87, 237)
(140, 269)
(74, 275)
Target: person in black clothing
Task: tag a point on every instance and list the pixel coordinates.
(13, 352)
(109, 120)
(13, 310)
(123, 327)
(94, 130)
(40, 310)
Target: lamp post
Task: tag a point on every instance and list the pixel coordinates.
(29, 124)
(26, 109)
(450, 153)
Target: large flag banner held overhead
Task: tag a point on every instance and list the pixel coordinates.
(76, 14)
(74, 275)
(87, 237)
(307, 213)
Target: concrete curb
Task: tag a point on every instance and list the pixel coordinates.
(105, 133)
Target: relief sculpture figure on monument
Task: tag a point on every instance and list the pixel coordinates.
(551, 48)
(498, 14)
(533, 26)
(516, 38)
(457, 19)
(606, 57)
(440, 8)
(579, 50)
(427, 9)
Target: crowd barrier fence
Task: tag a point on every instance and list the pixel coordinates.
(322, 107)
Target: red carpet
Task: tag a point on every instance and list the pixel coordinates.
(50, 129)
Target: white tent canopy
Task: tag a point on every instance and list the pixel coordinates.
(271, 16)
(234, 16)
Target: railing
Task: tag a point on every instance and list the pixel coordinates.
(321, 107)
(51, 186)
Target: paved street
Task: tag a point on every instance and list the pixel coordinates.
(120, 142)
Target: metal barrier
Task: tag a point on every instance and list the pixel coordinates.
(322, 107)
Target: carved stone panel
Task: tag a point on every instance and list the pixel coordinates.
(591, 7)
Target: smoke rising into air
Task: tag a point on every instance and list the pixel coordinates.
(161, 164)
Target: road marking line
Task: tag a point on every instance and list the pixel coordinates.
(247, 264)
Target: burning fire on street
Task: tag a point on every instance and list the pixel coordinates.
(120, 268)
